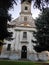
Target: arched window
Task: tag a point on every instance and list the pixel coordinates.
(26, 8)
(24, 34)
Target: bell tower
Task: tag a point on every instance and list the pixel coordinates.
(26, 7)
(25, 13)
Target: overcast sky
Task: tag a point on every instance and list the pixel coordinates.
(17, 9)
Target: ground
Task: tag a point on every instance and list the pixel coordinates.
(7, 62)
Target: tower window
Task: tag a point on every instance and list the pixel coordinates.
(26, 8)
(8, 47)
(24, 34)
(25, 18)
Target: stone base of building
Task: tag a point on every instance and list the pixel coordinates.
(30, 56)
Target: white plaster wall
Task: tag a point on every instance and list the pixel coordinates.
(21, 36)
(18, 35)
(43, 56)
(33, 57)
(23, 7)
(29, 18)
(29, 40)
(17, 40)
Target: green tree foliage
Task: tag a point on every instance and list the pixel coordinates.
(41, 4)
(42, 34)
(5, 5)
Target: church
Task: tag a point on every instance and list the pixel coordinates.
(21, 47)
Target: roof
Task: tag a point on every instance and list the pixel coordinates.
(26, 1)
(20, 23)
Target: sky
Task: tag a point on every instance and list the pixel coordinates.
(17, 9)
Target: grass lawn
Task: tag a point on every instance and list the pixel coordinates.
(20, 63)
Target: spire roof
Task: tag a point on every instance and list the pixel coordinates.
(26, 0)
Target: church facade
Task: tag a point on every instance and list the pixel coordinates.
(22, 46)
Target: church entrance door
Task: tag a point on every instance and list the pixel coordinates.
(24, 52)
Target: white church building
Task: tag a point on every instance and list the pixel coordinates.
(22, 46)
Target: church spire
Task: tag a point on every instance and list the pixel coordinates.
(26, 0)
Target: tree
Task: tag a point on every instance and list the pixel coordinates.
(5, 5)
(41, 4)
(42, 34)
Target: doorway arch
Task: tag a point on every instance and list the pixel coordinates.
(24, 52)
